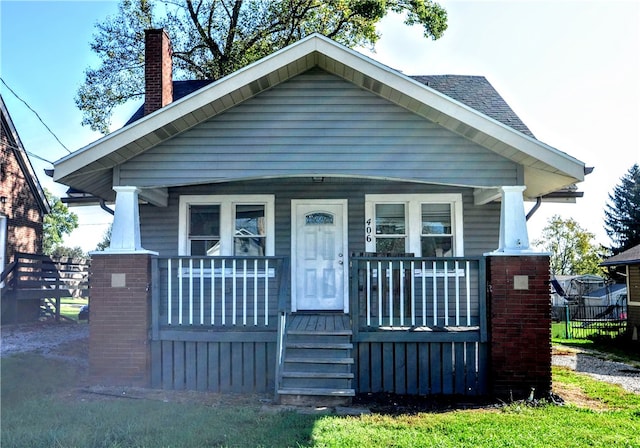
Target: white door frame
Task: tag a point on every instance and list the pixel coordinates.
(345, 245)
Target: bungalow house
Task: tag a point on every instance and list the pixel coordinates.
(23, 206)
(630, 261)
(320, 225)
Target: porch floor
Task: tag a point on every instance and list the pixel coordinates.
(334, 323)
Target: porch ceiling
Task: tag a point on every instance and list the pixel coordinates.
(90, 169)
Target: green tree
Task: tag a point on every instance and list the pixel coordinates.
(572, 249)
(212, 38)
(57, 223)
(68, 252)
(622, 212)
(106, 240)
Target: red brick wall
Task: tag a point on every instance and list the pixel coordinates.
(120, 319)
(24, 217)
(158, 67)
(520, 325)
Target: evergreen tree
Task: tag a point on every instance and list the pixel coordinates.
(622, 212)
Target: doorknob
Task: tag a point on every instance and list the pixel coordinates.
(340, 262)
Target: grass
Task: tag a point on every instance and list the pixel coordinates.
(40, 408)
(70, 306)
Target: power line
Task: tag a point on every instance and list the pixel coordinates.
(29, 153)
(36, 114)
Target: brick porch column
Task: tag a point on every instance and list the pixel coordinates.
(120, 319)
(519, 324)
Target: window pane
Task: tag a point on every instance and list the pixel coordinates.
(204, 220)
(441, 246)
(390, 245)
(250, 220)
(249, 247)
(390, 219)
(205, 248)
(436, 219)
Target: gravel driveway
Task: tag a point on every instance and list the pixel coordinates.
(41, 337)
(591, 364)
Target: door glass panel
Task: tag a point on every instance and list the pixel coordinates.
(318, 218)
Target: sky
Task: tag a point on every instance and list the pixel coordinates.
(569, 69)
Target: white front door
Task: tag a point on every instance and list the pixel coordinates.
(319, 271)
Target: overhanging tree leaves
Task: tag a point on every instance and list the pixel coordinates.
(572, 249)
(622, 212)
(212, 38)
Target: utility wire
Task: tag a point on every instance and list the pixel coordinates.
(29, 153)
(36, 114)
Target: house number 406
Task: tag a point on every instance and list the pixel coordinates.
(368, 230)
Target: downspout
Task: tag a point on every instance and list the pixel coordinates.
(535, 207)
(103, 206)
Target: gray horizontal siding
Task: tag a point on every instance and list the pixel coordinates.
(159, 226)
(318, 123)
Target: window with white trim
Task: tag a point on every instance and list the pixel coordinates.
(426, 225)
(226, 225)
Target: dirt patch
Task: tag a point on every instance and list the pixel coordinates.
(574, 395)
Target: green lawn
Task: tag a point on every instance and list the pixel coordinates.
(41, 407)
(69, 307)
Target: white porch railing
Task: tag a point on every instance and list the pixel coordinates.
(399, 292)
(219, 291)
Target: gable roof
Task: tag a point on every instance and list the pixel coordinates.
(15, 145)
(545, 168)
(629, 256)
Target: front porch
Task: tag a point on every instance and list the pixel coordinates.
(224, 324)
(415, 326)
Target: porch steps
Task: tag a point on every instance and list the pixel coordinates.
(317, 363)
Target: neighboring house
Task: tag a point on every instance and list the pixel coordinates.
(630, 261)
(23, 204)
(350, 209)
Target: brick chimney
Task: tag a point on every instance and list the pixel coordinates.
(157, 71)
